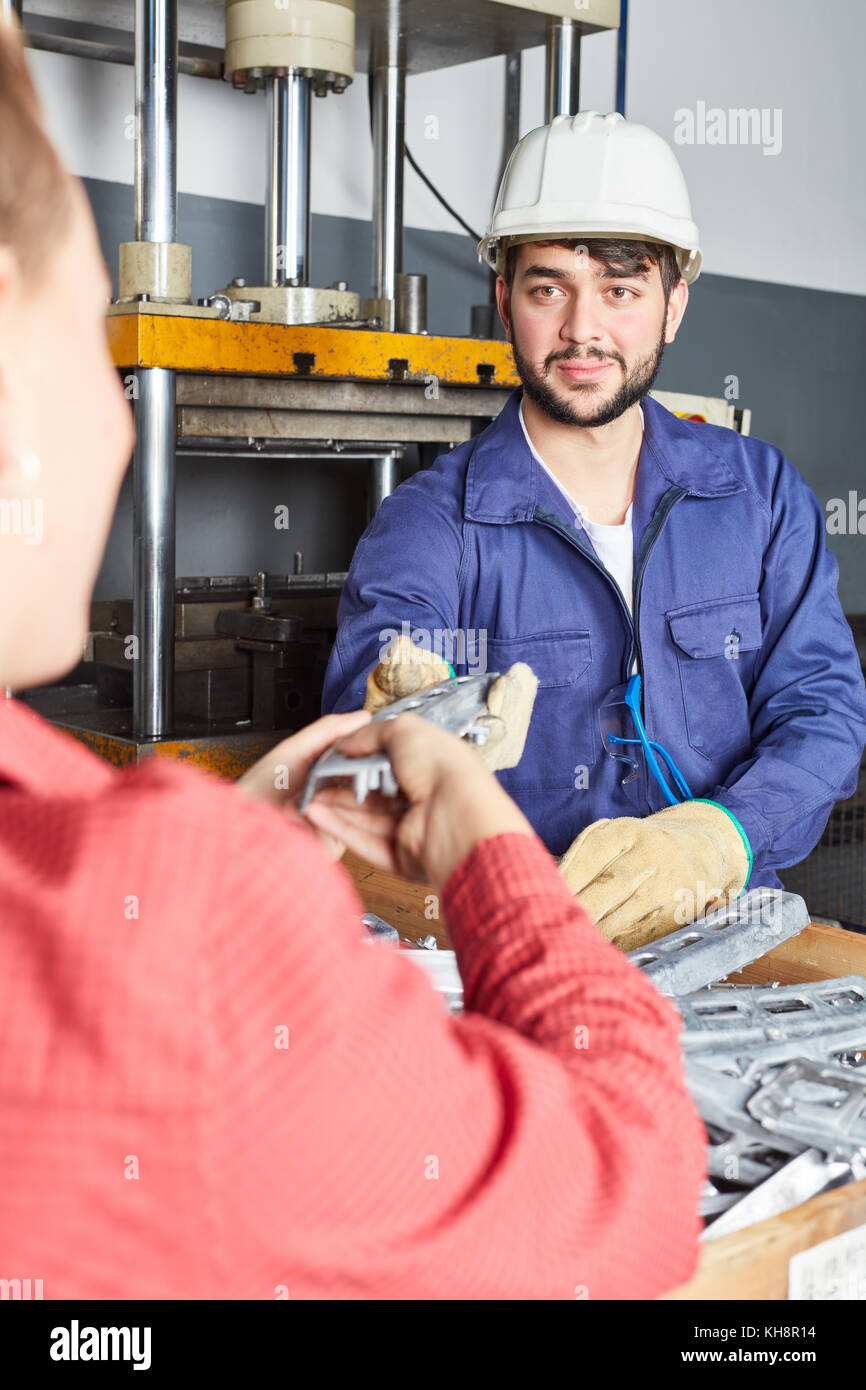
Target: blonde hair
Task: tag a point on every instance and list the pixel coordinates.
(35, 196)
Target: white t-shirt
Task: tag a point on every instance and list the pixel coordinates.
(614, 545)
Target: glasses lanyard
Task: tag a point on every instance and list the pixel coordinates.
(632, 701)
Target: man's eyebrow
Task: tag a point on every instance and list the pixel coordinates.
(545, 272)
(614, 272)
(608, 272)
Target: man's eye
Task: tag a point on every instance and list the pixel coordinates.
(621, 290)
(546, 291)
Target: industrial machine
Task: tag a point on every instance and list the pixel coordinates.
(220, 668)
(283, 369)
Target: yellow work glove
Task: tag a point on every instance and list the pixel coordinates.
(510, 700)
(405, 669)
(640, 879)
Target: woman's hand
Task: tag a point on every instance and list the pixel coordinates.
(450, 802)
(280, 775)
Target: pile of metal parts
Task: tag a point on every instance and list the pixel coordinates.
(777, 1072)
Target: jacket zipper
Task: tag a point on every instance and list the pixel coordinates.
(648, 540)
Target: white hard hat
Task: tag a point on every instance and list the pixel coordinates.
(595, 176)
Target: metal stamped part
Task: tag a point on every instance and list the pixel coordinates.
(745, 1032)
(457, 705)
(713, 1201)
(722, 942)
(803, 1177)
(751, 1062)
(735, 1021)
(741, 1158)
(379, 930)
(723, 1102)
(822, 1105)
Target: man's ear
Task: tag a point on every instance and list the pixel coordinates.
(504, 306)
(679, 298)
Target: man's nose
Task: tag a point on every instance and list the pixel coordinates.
(581, 323)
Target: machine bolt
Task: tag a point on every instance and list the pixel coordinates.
(262, 599)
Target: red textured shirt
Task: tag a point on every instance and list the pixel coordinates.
(212, 1087)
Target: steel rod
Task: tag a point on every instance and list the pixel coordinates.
(562, 69)
(287, 202)
(154, 553)
(388, 76)
(383, 480)
(155, 411)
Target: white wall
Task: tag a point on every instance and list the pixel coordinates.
(795, 217)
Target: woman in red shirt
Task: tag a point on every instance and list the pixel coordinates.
(210, 1085)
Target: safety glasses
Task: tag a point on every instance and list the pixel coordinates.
(625, 739)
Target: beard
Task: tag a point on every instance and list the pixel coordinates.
(577, 407)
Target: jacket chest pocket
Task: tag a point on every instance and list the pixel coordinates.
(716, 642)
(560, 737)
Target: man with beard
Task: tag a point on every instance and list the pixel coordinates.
(700, 705)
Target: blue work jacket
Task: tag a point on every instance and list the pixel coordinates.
(750, 675)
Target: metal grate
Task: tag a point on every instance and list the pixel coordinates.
(832, 879)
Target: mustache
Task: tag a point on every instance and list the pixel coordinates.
(572, 355)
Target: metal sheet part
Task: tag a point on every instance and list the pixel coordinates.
(734, 1020)
(742, 1158)
(440, 967)
(713, 1201)
(456, 705)
(380, 930)
(722, 1101)
(804, 1177)
(723, 941)
(822, 1105)
(749, 1063)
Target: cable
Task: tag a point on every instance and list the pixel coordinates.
(436, 194)
(420, 172)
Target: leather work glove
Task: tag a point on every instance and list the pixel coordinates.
(407, 668)
(510, 700)
(641, 878)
